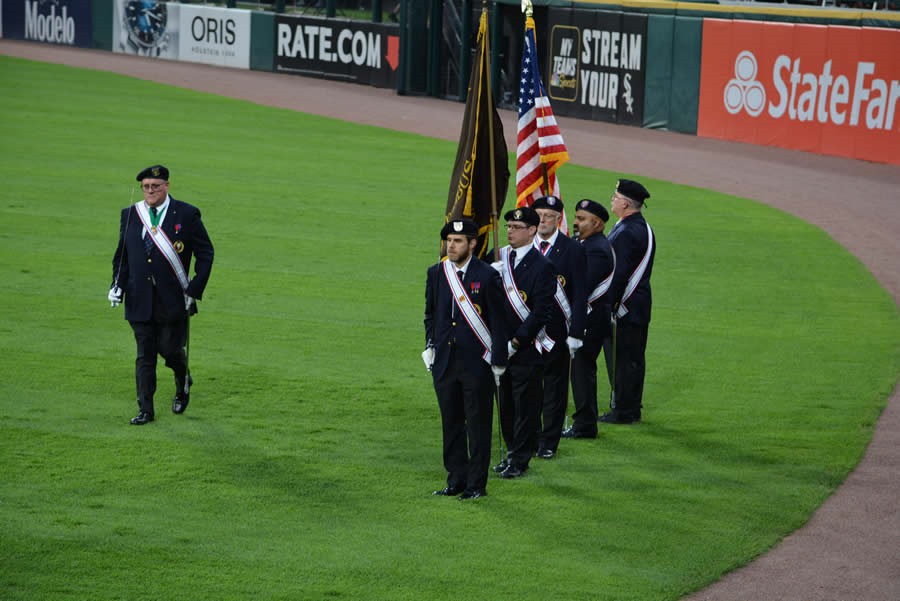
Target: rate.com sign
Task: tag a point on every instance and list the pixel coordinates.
(826, 89)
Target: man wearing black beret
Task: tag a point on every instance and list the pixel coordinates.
(590, 220)
(635, 247)
(529, 282)
(158, 238)
(567, 322)
(464, 343)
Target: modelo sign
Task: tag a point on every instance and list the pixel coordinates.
(216, 36)
(52, 21)
(825, 89)
(355, 51)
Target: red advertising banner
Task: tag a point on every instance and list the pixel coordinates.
(820, 88)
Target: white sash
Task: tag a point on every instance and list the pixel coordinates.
(464, 303)
(542, 341)
(163, 244)
(603, 286)
(563, 303)
(635, 278)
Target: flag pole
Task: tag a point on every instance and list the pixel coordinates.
(490, 97)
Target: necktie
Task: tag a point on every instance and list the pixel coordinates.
(512, 258)
(148, 240)
(544, 246)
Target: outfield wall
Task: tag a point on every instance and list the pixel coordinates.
(824, 81)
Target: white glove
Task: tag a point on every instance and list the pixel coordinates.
(428, 357)
(574, 344)
(498, 265)
(115, 296)
(188, 301)
(510, 349)
(498, 370)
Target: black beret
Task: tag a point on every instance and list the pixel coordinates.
(586, 204)
(548, 202)
(154, 172)
(523, 214)
(632, 190)
(463, 227)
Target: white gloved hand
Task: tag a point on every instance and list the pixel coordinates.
(574, 344)
(428, 357)
(114, 296)
(188, 301)
(498, 370)
(498, 265)
(510, 349)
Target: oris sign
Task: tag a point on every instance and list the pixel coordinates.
(51, 21)
(826, 89)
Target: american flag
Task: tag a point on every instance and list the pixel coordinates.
(539, 141)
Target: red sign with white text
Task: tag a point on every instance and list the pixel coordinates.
(820, 88)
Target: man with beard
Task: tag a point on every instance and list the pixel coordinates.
(590, 219)
(465, 341)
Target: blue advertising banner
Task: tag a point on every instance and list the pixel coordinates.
(51, 21)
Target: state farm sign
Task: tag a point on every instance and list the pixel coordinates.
(827, 89)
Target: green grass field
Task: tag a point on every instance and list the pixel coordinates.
(304, 467)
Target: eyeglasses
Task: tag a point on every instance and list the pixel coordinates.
(151, 187)
(516, 226)
(618, 197)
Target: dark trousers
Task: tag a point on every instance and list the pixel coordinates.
(556, 397)
(631, 344)
(466, 403)
(158, 338)
(584, 385)
(520, 411)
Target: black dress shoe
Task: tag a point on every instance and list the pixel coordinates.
(180, 402)
(571, 432)
(473, 494)
(545, 453)
(141, 418)
(621, 418)
(512, 471)
(449, 491)
(501, 466)
(182, 398)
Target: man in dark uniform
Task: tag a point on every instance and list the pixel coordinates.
(567, 322)
(529, 282)
(590, 220)
(464, 343)
(158, 237)
(635, 247)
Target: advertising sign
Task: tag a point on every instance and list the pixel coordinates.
(146, 27)
(65, 22)
(596, 64)
(216, 36)
(349, 50)
(820, 88)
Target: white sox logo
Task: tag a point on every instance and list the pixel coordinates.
(744, 92)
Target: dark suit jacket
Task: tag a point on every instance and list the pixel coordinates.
(568, 258)
(629, 240)
(182, 224)
(536, 280)
(599, 263)
(482, 284)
